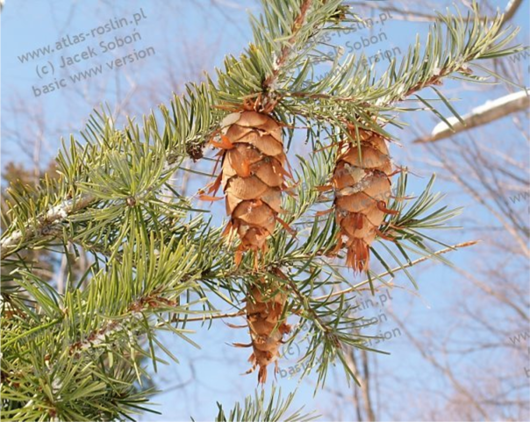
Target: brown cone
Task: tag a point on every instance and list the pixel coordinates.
(264, 310)
(252, 177)
(361, 181)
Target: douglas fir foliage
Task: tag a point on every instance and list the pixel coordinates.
(155, 262)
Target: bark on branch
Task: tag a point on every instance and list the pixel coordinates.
(511, 10)
(45, 225)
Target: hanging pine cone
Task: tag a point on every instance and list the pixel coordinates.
(264, 309)
(252, 177)
(361, 181)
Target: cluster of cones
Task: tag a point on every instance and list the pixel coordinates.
(253, 178)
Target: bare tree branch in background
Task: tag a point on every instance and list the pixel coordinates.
(511, 9)
(487, 113)
(490, 111)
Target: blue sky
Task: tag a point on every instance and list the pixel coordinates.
(179, 34)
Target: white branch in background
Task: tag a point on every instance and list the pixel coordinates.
(511, 9)
(481, 115)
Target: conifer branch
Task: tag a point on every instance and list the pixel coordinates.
(271, 79)
(152, 252)
(180, 137)
(45, 226)
(348, 89)
(257, 408)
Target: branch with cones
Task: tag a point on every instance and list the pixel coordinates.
(250, 115)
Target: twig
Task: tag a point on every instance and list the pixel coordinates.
(134, 312)
(45, 225)
(490, 111)
(407, 265)
(205, 318)
(269, 82)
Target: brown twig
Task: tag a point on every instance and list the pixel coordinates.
(134, 310)
(407, 265)
(286, 50)
(205, 318)
(511, 10)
